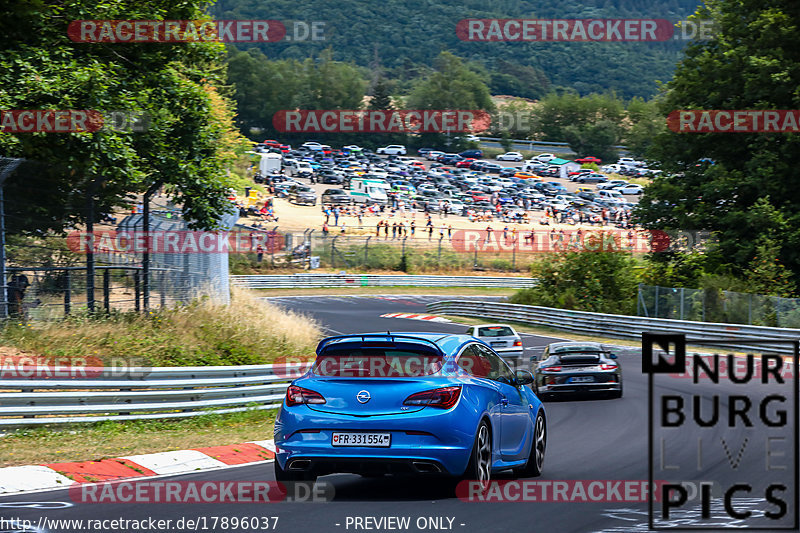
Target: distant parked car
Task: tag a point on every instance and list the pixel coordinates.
(335, 196)
(422, 152)
(611, 184)
(544, 157)
(510, 156)
(392, 149)
(631, 188)
(591, 178)
(302, 194)
(589, 159)
(474, 153)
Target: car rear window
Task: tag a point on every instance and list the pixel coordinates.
(495, 331)
(377, 363)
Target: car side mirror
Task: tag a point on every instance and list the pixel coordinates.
(524, 377)
(612, 356)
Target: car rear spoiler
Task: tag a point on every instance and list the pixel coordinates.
(391, 336)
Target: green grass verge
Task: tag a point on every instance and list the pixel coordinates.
(103, 440)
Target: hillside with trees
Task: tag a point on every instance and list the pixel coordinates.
(401, 38)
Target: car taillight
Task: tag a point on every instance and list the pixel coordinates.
(298, 395)
(517, 343)
(552, 369)
(443, 398)
(606, 366)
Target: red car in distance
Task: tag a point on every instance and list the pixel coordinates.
(464, 163)
(588, 159)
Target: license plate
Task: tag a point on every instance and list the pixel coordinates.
(372, 440)
(582, 379)
(499, 343)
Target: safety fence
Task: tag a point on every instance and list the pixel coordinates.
(715, 305)
(729, 336)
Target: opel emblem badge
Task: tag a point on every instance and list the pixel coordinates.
(363, 396)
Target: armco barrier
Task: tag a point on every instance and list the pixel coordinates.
(729, 336)
(302, 280)
(144, 393)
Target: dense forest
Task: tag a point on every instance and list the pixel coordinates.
(400, 38)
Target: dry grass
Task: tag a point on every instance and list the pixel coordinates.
(116, 439)
(205, 332)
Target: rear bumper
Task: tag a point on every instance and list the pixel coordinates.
(427, 441)
(572, 388)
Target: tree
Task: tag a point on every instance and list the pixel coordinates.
(185, 144)
(734, 184)
(596, 139)
(381, 99)
(646, 122)
(451, 86)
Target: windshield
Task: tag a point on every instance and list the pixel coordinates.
(495, 331)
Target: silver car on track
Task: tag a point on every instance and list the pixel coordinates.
(503, 340)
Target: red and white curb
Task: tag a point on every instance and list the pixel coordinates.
(17, 479)
(415, 316)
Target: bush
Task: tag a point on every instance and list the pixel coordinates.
(603, 282)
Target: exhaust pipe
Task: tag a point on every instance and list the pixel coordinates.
(300, 464)
(425, 467)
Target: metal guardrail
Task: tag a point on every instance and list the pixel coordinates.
(538, 143)
(302, 280)
(738, 337)
(143, 393)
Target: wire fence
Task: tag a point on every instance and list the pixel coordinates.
(438, 247)
(419, 253)
(714, 305)
(119, 278)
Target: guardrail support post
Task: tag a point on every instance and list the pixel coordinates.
(136, 291)
(106, 291)
(67, 293)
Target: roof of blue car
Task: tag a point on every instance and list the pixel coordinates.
(447, 342)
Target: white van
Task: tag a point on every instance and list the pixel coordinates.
(270, 164)
(301, 167)
(369, 191)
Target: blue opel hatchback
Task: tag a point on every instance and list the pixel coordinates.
(424, 403)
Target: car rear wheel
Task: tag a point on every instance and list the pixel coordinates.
(480, 462)
(617, 393)
(533, 467)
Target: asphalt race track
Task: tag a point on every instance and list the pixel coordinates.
(588, 439)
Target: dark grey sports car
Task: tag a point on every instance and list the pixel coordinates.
(577, 367)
